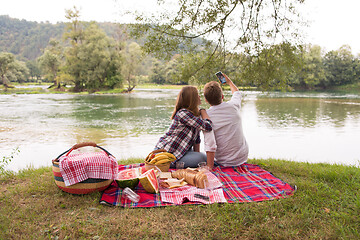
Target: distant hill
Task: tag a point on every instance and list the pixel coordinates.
(26, 39)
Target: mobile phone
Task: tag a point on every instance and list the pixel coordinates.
(221, 77)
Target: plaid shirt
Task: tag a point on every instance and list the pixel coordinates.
(183, 133)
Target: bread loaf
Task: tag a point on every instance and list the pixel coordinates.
(194, 178)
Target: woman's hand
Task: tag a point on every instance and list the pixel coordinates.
(204, 114)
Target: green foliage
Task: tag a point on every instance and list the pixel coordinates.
(233, 27)
(312, 73)
(341, 67)
(231, 24)
(278, 67)
(92, 59)
(34, 69)
(273, 67)
(11, 69)
(26, 39)
(100, 56)
(158, 73)
(4, 162)
(132, 57)
(51, 61)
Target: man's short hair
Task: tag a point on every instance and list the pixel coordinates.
(213, 93)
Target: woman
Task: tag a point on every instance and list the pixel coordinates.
(182, 138)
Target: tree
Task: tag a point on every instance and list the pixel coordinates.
(158, 74)
(11, 69)
(6, 61)
(132, 57)
(34, 70)
(51, 61)
(92, 59)
(99, 61)
(341, 67)
(312, 73)
(274, 67)
(173, 70)
(233, 26)
(74, 34)
(19, 72)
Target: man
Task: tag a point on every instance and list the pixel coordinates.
(226, 144)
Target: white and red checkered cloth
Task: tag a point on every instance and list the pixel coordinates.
(76, 168)
(213, 194)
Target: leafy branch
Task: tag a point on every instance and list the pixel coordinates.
(4, 162)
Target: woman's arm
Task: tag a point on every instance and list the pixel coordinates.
(187, 118)
(204, 114)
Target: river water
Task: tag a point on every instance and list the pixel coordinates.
(307, 127)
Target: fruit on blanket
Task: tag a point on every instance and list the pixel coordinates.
(160, 158)
(149, 181)
(162, 161)
(157, 158)
(128, 178)
(153, 154)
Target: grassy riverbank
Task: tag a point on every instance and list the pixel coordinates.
(36, 88)
(325, 206)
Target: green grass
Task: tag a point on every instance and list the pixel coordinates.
(325, 206)
(350, 88)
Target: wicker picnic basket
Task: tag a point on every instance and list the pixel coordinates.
(163, 167)
(86, 186)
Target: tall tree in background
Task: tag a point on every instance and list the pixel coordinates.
(92, 60)
(34, 69)
(99, 61)
(173, 70)
(74, 34)
(312, 73)
(158, 73)
(11, 69)
(274, 67)
(132, 57)
(19, 73)
(341, 67)
(6, 60)
(51, 61)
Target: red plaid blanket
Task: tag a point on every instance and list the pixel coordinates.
(76, 168)
(246, 183)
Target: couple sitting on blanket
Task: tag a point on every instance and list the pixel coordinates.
(224, 141)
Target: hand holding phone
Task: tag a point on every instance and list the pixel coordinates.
(221, 77)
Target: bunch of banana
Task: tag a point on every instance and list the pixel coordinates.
(160, 158)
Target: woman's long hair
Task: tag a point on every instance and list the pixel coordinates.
(187, 98)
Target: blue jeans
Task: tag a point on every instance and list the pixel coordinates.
(191, 159)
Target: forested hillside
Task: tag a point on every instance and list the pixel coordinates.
(26, 39)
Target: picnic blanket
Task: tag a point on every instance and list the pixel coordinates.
(76, 168)
(246, 183)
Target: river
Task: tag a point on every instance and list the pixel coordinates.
(306, 127)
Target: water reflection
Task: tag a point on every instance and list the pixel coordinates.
(306, 112)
